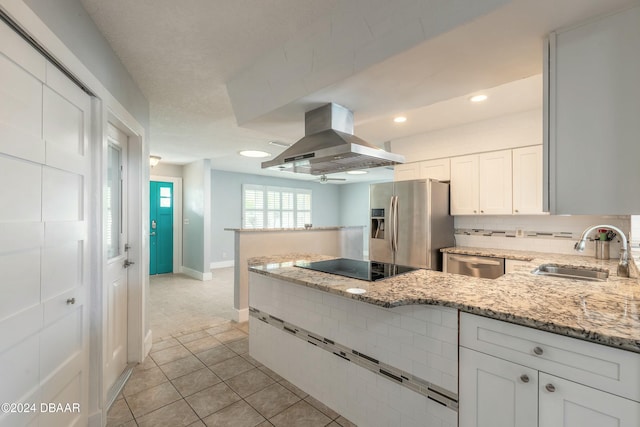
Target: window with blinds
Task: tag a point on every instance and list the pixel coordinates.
(275, 207)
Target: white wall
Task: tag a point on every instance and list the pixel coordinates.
(513, 130)
(166, 169)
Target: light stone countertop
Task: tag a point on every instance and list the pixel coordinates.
(603, 312)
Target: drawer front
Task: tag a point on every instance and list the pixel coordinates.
(604, 368)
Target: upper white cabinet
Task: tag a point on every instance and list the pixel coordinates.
(481, 184)
(465, 185)
(592, 123)
(527, 180)
(495, 183)
(435, 169)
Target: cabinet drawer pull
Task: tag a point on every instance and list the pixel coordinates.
(538, 351)
(524, 378)
(71, 301)
(550, 388)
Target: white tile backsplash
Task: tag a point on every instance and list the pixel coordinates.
(574, 224)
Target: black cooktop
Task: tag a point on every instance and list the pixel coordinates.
(363, 270)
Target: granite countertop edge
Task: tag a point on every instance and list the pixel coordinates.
(415, 288)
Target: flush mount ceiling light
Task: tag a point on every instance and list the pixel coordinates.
(400, 119)
(478, 98)
(254, 153)
(154, 160)
(357, 172)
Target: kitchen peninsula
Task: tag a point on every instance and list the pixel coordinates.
(387, 352)
(251, 242)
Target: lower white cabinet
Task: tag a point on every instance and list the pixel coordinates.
(563, 403)
(495, 391)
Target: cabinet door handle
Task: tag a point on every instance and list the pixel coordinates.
(524, 378)
(71, 301)
(481, 211)
(538, 351)
(517, 211)
(550, 388)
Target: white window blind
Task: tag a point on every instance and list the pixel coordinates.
(275, 207)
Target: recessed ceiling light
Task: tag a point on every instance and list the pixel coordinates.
(358, 172)
(478, 98)
(400, 119)
(254, 153)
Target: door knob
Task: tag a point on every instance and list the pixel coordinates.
(153, 233)
(128, 263)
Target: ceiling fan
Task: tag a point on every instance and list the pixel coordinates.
(324, 179)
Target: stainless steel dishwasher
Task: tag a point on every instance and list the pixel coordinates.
(476, 266)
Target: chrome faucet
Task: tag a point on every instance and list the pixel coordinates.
(623, 264)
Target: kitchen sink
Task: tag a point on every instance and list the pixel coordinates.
(568, 272)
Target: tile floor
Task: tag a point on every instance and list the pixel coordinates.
(199, 373)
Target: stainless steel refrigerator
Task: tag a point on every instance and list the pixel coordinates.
(410, 223)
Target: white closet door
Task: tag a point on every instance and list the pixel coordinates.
(44, 134)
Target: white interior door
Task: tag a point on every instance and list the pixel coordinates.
(44, 242)
(115, 237)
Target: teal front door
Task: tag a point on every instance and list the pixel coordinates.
(161, 226)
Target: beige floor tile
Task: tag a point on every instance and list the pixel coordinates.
(203, 344)
(300, 414)
(143, 380)
(148, 363)
(251, 360)
(164, 344)
(215, 355)
(272, 400)
(195, 382)
(181, 367)
(265, 424)
(239, 414)
(240, 346)
(272, 374)
(244, 327)
(249, 382)
(231, 335)
(218, 329)
(151, 399)
(177, 414)
(343, 422)
(321, 407)
(119, 414)
(192, 336)
(197, 424)
(212, 399)
(231, 367)
(170, 354)
(295, 390)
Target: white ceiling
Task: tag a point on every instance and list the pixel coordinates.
(182, 54)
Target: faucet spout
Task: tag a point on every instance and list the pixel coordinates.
(623, 264)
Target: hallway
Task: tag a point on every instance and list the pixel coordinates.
(199, 372)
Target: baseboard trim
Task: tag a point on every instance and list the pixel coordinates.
(198, 275)
(241, 315)
(222, 264)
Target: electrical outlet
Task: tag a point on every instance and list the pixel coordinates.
(519, 232)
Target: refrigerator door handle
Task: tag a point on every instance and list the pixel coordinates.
(395, 223)
(390, 228)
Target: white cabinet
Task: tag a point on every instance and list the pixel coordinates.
(406, 171)
(591, 123)
(481, 184)
(527, 180)
(564, 403)
(435, 169)
(495, 183)
(516, 376)
(496, 393)
(465, 186)
(439, 169)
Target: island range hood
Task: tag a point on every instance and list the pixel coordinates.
(329, 146)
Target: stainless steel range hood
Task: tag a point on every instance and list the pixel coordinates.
(329, 146)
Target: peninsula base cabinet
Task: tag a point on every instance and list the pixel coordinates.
(514, 376)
